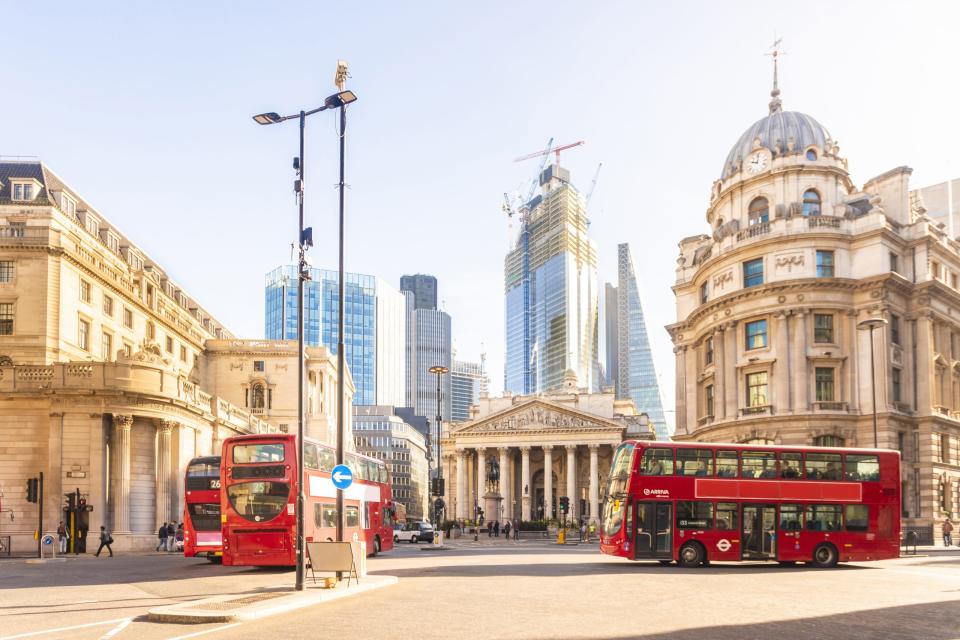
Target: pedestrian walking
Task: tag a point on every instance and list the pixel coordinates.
(105, 541)
(516, 530)
(506, 530)
(583, 531)
(496, 529)
(162, 537)
(947, 533)
(171, 536)
(63, 537)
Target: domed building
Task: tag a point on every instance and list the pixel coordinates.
(772, 338)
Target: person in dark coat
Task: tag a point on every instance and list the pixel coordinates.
(506, 530)
(162, 537)
(171, 536)
(105, 541)
(496, 529)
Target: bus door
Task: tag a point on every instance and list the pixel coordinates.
(654, 530)
(758, 539)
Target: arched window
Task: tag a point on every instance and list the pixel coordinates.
(257, 396)
(811, 203)
(759, 211)
(811, 154)
(829, 441)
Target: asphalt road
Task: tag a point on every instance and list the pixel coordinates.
(500, 589)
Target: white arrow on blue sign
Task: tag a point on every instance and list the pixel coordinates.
(342, 476)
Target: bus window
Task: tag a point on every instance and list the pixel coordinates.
(726, 464)
(353, 464)
(823, 517)
(790, 517)
(862, 468)
(694, 462)
(327, 459)
(823, 466)
(694, 515)
(791, 466)
(620, 471)
(727, 516)
(329, 515)
(657, 461)
(758, 464)
(251, 453)
(317, 515)
(857, 517)
(366, 515)
(353, 517)
(310, 459)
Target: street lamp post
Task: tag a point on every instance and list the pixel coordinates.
(871, 324)
(304, 242)
(439, 370)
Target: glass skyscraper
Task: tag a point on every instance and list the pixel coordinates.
(636, 376)
(551, 292)
(469, 380)
(374, 322)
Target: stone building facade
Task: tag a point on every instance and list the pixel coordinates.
(541, 447)
(768, 340)
(105, 371)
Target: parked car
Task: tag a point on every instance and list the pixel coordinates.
(418, 532)
(398, 530)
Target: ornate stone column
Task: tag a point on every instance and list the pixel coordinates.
(731, 381)
(594, 483)
(719, 376)
(781, 371)
(525, 483)
(547, 481)
(461, 486)
(120, 472)
(164, 483)
(507, 510)
(801, 395)
(572, 480)
(481, 479)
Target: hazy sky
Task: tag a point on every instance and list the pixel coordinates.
(145, 110)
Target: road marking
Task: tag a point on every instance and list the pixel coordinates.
(117, 629)
(76, 626)
(200, 633)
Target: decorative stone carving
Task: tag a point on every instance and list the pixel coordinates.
(787, 261)
(533, 419)
(721, 279)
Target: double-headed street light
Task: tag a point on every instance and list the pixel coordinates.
(871, 324)
(438, 489)
(305, 241)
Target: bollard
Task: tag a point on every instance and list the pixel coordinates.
(561, 536)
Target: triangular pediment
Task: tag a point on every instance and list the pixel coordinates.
(538, 415)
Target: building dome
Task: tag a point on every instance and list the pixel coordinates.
(782, 132)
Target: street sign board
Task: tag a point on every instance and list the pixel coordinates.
(342, 476)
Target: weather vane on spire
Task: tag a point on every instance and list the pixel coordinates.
(775, 52)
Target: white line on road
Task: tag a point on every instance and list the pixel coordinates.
(76, 626)
(117, 629)
(200, 633)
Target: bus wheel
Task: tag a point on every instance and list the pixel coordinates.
(691, 555)
(376, 545)
(825, 556)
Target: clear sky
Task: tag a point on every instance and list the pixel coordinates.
(145, 108)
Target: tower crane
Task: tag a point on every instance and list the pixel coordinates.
(556, 151)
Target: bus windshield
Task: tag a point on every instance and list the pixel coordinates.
(258, 501)
(620, 469)
(252, 453)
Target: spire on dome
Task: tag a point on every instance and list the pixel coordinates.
(775, 104)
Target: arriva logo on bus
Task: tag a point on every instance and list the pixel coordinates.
(657, 492)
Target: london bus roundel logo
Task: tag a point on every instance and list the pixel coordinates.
(723, 544)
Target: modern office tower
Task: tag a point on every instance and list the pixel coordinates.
(636, 376)
(610, 335)
(468, 381)
(428, 331)
(551, 292)
(375, 317)
(424, 289)
(379, 432)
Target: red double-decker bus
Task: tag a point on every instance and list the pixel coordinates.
(700, 502)
(259, 497)
(201, 509)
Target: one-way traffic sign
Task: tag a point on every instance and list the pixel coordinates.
(342, 476)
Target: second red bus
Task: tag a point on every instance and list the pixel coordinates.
(201, 509)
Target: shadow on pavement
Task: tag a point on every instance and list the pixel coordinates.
(931, 621)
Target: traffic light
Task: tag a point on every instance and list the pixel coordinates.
(33, 489)
(71, 502)
(564, 503)
(437, 486)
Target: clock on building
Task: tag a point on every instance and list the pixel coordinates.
(757, 162)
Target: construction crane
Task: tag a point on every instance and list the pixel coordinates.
(509, 207)
(593, 185)
(556, 151)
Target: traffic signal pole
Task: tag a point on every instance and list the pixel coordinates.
(40, 529)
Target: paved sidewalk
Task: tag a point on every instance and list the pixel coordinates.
(254, 606)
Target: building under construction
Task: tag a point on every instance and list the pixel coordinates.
(551, 291)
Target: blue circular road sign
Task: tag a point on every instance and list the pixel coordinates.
(342, 476)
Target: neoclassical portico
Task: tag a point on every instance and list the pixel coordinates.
(521, 454)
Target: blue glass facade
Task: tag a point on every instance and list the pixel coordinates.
(637, 377)
(320, 325)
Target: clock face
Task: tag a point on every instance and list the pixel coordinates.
(757, 162)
